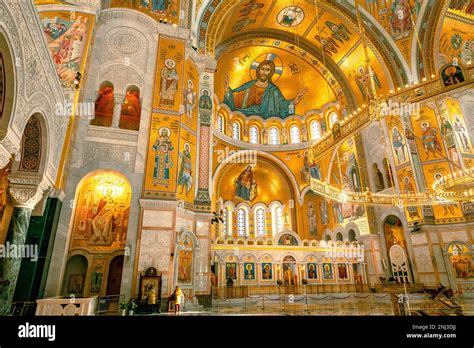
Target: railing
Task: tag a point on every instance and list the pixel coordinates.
(224, 293)
(400, 288)
(109, 304)
(67, 306)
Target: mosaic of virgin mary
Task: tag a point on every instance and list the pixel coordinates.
(246, 186)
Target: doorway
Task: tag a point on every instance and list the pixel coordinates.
(114, 279)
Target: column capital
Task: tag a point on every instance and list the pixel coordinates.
(26, 192)
(202, 200)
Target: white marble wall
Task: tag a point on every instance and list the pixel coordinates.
(430, 252)
(124, 53)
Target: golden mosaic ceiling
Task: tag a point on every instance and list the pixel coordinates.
(297, 33)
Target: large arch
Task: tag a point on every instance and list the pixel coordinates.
(9, 86)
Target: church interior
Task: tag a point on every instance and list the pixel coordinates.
(253, 150)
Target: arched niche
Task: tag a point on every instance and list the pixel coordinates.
(7, 85)
(98, 226)
(131, 109)
(33, 146)
(104, 105)
(397, 249)
(75, 276)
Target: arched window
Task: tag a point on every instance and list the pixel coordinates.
(220, 123)
(333, 118)
(254, 136)
(227, 221)
(236, 130)
(315, 130)
(379, 183)
(242, 222)
(328, 238)
(131, 110)
(277, 219)
(339, 236)
(274, 136)
(260, 222)
(388, 171)
(352, 236)
(295, 134)
(104, 106)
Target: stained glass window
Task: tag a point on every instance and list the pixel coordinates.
(315, 130)
(242, 222)
(295, 134)
(236, 131)
(260, 222)
(274, 136)
(254, 135)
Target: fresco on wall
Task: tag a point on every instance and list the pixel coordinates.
(68, 36)
(267, 81)
(287, 239)
(427, 135)
(435, 172)
(169, 75)
(163, 10)
(461, 260)
(101, 213)
(186, 166)
(163, 150)
(397, 139)
(452, 75)
(394, 232)
(190, 95)
(246, 187)
(261, 96)
(185, 260)
(459, 129)
(397, 18)
(98, 268)
(456, 39)
(407, 185)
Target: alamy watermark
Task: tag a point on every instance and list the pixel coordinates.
(227, 155)
(400, 109)
(82, 109)
(29, 251)
(347, 251)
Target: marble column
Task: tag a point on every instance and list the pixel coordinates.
(24, 199)
(119, 99)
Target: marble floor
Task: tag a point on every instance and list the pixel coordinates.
(326, 305)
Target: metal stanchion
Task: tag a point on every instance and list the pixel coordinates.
(306, 299)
